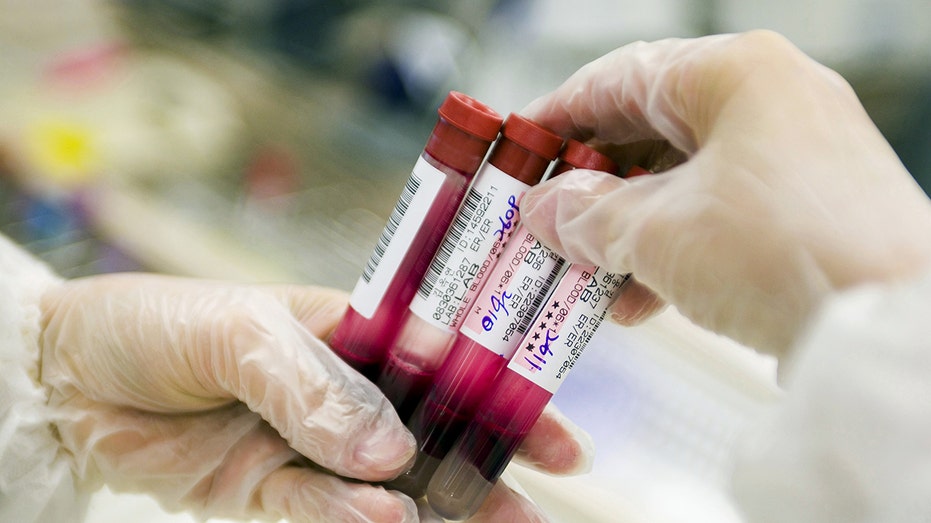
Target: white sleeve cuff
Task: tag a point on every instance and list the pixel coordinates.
(852, 441)
(36, 483)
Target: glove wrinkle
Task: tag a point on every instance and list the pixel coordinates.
(202, 393)
(762, 218)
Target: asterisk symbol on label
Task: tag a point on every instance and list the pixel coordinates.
(543, 326)
(549, 315)
(536, 335)
(555, 304)
(529, 347)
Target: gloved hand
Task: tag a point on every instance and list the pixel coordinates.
(777, 188)
(219, 399)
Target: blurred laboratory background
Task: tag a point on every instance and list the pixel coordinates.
(268, 141)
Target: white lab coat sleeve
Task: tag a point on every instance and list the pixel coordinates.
(852, 441)
(36, 482)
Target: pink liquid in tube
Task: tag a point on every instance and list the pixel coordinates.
(489, 337)
(460, 139)
(509, 409)
(486, 220)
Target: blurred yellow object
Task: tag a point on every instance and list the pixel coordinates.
(65, 151)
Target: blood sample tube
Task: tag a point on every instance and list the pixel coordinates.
(546, 354)
(489, 336)
(460, 139)
(469, 251)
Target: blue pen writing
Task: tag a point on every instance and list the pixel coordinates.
(498, 304)
(507, 221)
(543, 348)
(503, 418)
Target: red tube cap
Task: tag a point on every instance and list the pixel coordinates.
(470, 115)
(636, 170)
(532, 136)
(580, 156)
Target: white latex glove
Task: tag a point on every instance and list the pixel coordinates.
(219, 399)
(781, 189)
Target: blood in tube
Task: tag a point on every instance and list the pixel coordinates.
(487, 218)
(501, 314)
(546, 355)
(456, 148)
(489, 337)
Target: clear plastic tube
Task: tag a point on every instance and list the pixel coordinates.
(489, 337)
(488, 217)
(459, 142)
(512, 405)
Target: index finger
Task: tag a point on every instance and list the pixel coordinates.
(672, 89)
(627, 95)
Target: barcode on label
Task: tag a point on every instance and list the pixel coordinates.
(469, 206)
(531, 315)
(400, 209)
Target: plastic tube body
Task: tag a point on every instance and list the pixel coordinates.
(469, 471)
(452, 156)
(362, 340)
(469, 252)
(494, 327)
(499, 318)
(489, 336)
(546, 354)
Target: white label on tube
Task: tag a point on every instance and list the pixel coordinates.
(508, 303)
(409, 213)
(487, 217)
(565, 325)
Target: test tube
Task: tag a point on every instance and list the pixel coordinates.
(561, 331)
(469, 251)
(454, 151)
(489, 336)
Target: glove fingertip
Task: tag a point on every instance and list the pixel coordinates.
(635, 304)
(318, 309)
(557, 446)
(553, 209)
(538, 210)
(299, 494)
(385, 454)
